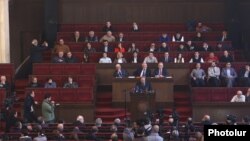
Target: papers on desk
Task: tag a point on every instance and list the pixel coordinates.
(131, 76)
(169, 77)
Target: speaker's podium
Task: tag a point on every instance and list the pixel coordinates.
(140, 103)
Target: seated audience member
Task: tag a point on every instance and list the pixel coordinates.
(85, 58)
(226, 57)
(119, 72)
(89, 49)
(120, 37)
(143, 86)
(248, 95)
(98, 122)
(181, 48)
(61, 47)
(108, 27)
(202, 28)
(70, 59)
(70, 83)
(108, 37)
(199, 136)
(79, 121)
(178, 37)
(206, 120)
(40, 134)
(92, 135)
(143, 71)
(50, 83)
(196, 58)
(246, 120)
(179, 59)
(3, 83)
(114, 137)
(164, 38)
(59, 58)
(105, 58)
(213, 75)
(77, 37)
(211, 58)
(239, 97)
(206, 47)
(163, 48)
(36, 51)
(106, 47)
(119, 58)
(154, 135)
(11, 120)
(160, 71)
(135, 27)
(166, 58)
(228, 75)
(222, 47)
(58, 135)
(91, 37)
(150, 58)
(190, 46)
(152, 48)
(224, 36)
(140, 134)
(198, 76)
(133, 48)
(198, 37)
(119, 48)
(244, 76)
(135, 58)
(34, 83)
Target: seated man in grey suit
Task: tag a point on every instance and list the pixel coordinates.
(119, 72)
(228, 75)
(160, 71)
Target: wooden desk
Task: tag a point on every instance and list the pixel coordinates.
(180, 72)
(163, 88)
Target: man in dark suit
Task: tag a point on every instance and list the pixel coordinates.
(143, 86)
(108, 27)
(226, 57)
(166, 58)
(36, 51)
(160, 71)
(29, 103)
(77, 37)
(228, 75)
(143, 71)
(106, 47)
(119, 72)
(244, 76)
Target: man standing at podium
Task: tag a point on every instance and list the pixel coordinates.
(143, 86)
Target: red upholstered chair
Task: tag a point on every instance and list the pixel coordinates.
(57, 69)
(201, 94)
(39, 69)
(219, 94)
(72, 69)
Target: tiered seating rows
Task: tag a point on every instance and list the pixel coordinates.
(64, 69)
(143, 27)
(82, 80)
(142, 46)
(215, 94)
(65, 95)
(94, 57)
(211, 36)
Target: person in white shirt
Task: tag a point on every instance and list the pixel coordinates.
(239, 97)
(150, 58)
(213, 75)
(196, 58)
(179, 59)
(105, 59)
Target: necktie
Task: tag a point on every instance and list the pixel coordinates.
(160, 72)
(144, 72)
(120, 74)
(166, 59)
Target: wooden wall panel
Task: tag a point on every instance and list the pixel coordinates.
(147, 11)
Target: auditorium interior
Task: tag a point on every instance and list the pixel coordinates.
(113, 52)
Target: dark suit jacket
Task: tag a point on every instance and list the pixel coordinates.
(28, 102)
(226, 59)
(242, 73)
(36, 53)
(122, 74)
(80, 39)
(164, 72)
(208, 49)
(162, 49)
(71, 60)
(168, 61)
(110, 49)
(139, 70)
(140, 88)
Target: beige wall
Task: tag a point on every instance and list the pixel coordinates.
(4, 32)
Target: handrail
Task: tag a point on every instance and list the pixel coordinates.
(21, 65)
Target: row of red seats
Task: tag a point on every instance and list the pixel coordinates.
(64, 95)
(82, 80)
(64, 69)
(142, 46)
(213, 36)
(94, 57)
(142, 26)
(7, 69)
(219, 94)
(2, 95)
